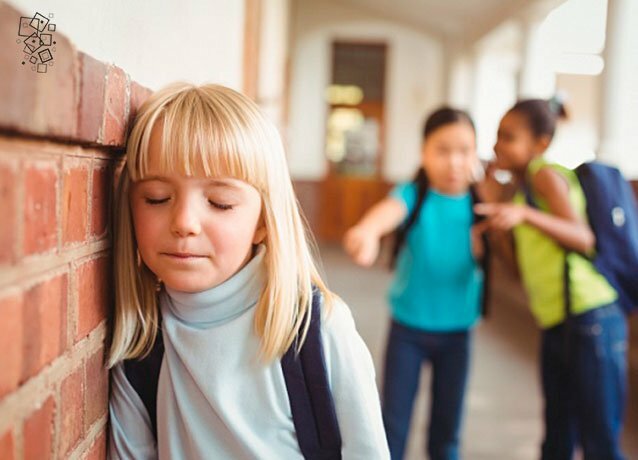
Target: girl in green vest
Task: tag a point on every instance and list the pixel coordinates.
(584, 332)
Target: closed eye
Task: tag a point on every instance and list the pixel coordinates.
(223, 207)
(155, 201)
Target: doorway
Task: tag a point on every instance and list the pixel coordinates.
(355, 136)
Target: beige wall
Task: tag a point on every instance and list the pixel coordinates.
(413, 88)
(577, 138)
(156, 42)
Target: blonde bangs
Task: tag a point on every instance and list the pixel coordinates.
(203, 134)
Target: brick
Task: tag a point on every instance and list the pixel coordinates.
(71, 100)
(7, 446)
(8, 233)
(10, 343)
(44, 318)
(97, 386)
(32, 102)
(17, 81)
(101, 198)
(75, 192)
(92, 282)
(57, 90)
(38, 432)
(97, 451)
(72, 412)
(91, 110)
(40, 232)
(114, 127)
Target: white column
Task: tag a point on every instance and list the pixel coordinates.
(536, 77)
(460, 72)
(451, 56)
(619, 105)
(476, 73)
(273, 55)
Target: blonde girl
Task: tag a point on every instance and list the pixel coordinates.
(216, 288)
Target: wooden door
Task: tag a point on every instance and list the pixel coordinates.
(355, 137)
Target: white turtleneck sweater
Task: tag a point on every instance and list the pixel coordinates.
(217, 400)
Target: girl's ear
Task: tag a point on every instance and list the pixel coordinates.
(542, 143)
(260, 233)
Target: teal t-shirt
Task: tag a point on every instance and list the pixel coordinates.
(438, 284)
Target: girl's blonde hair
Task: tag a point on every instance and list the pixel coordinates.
(215, 131)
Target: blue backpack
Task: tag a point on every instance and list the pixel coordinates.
(613, 216)
(612, 213)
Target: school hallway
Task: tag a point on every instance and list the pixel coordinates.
(504, 405)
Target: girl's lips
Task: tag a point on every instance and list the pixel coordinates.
(183, 255)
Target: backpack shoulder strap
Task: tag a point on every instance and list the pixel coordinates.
(422, 188)
(143, 374)
(400, 234)
(530, 200)
(311, 402)
(486, 259)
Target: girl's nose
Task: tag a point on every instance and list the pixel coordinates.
(457, 161)
(185, 221)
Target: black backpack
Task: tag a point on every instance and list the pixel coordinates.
(422, 186)
(305, 373)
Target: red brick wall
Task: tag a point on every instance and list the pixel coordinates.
(61, 138)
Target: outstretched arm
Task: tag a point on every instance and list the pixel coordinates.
(361, 242)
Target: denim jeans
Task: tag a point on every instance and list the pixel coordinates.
(448, 354)
(584, 379)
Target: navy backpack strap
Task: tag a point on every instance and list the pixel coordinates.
(486, 259)
(400, 234)
(143, 375)
(311, 402)
(567, 296)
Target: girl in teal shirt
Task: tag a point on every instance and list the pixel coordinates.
(436, 294)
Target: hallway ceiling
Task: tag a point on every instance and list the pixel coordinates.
(465, 20)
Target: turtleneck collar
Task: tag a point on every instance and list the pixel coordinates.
(223, 302)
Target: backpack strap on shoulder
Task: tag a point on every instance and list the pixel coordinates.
(311, 402)
(486, 259)
(143, 375)
(422, 187)
(530, 200)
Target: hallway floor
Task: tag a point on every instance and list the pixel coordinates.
(503, 411)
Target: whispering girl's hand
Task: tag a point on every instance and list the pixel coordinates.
(502, 216)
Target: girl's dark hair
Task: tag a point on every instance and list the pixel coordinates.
(445, 116)
(437, 119)
(541, 114)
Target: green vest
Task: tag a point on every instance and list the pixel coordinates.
(541, 262)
